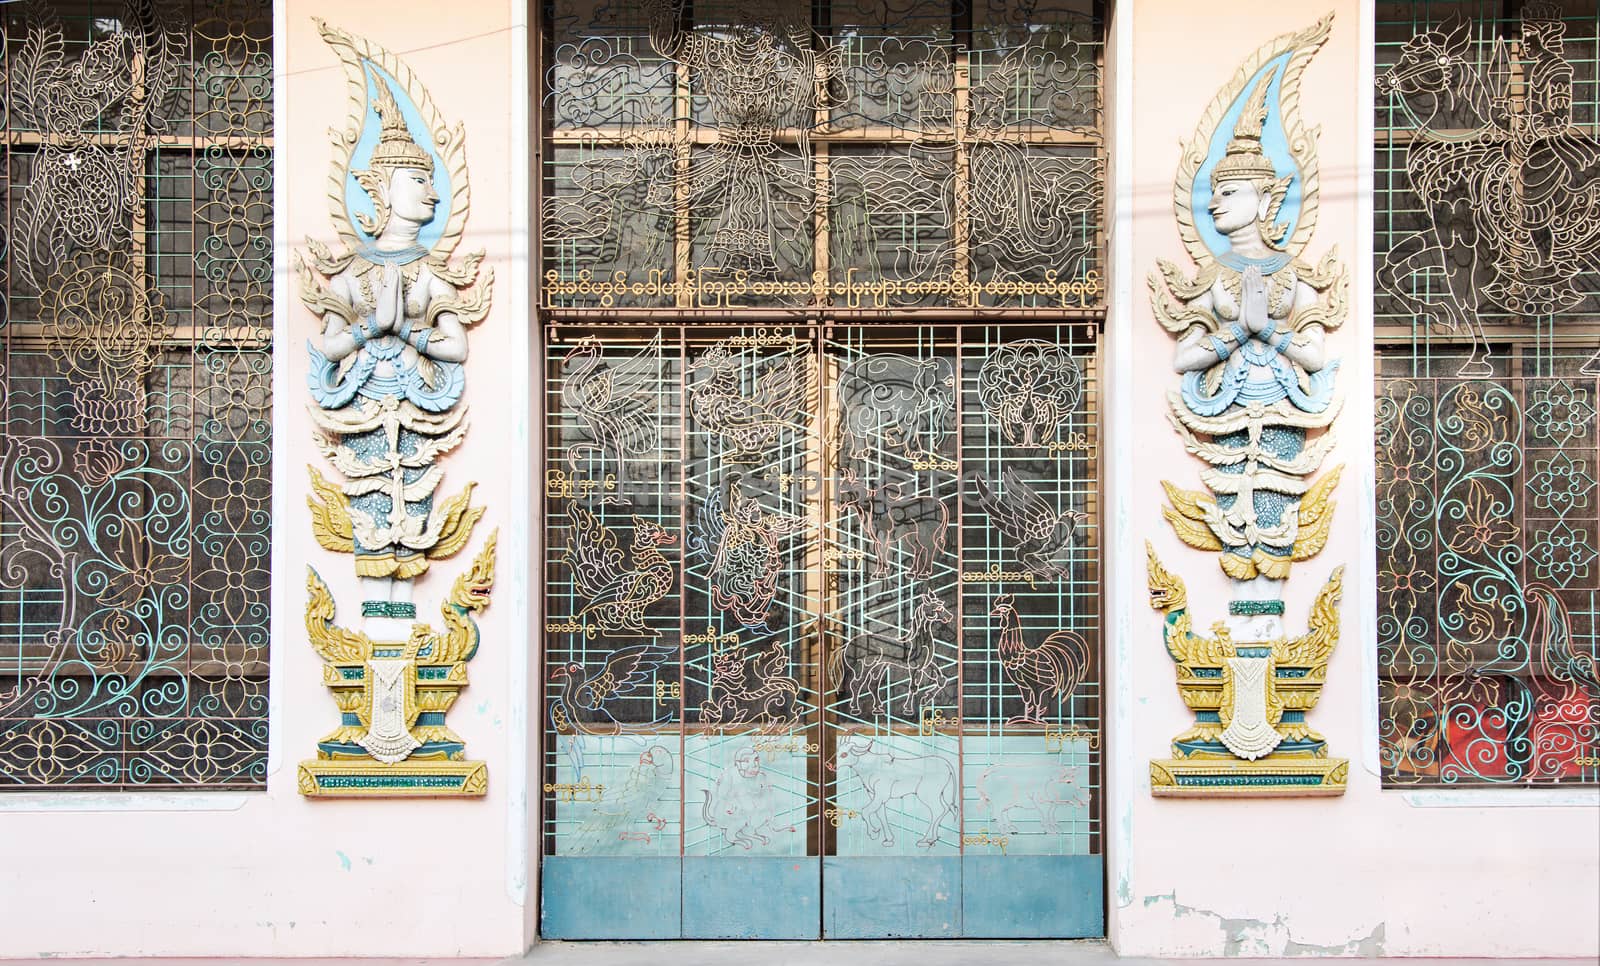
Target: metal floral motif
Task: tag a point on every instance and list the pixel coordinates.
(1488, 611)
(135, 477)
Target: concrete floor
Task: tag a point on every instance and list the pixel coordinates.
(786, 954)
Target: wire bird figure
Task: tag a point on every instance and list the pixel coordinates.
(1513, 205)
(617, 591)
(1039, 531)
(616, 400)
(749, 424)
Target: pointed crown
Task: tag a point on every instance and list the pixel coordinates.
(396, 147)
(1245, 160)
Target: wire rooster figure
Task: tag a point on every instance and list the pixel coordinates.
(1044, 672)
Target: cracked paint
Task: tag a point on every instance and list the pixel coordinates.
(1243, 936)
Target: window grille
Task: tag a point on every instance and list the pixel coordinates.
(135, 477)
(785, 264)
(1488, 325)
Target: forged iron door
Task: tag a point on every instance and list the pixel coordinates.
(822, 647)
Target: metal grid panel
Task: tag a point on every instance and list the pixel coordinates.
(135, 543)
(835, 512)
(781, 157)
(1488, 314)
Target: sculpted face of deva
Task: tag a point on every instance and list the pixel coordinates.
(1245, 188)
(400, 179)
(411, 195)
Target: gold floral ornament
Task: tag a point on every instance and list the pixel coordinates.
(387, 379)
(1256, 406)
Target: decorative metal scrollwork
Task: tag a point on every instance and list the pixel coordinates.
(1488, 533)
(853, 611)
(715, 155)
(1507, 184)
(135, 474)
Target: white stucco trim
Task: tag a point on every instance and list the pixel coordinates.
(1122, 594)
(518, 574)
(1364, 578)
(68, 801)
(280, 606)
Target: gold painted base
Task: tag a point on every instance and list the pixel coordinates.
(1236, 778)
(405, 779)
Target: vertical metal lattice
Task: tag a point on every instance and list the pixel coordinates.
(135, 539)
(1488, 323)
(858, 156)
(821, 290)
(775, 553)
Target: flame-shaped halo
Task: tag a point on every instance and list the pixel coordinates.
(1291, 146)
(366, 64)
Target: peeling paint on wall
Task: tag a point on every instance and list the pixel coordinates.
(1262, 937)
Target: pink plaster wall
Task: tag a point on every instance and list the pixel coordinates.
(273, 874)
(270, 873)
(1373, 872)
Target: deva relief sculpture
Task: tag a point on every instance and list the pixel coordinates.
(1256, 406)
(386, 380)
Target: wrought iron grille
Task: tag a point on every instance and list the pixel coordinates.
(849, 155)
(135, 538)
(775, 553)
(1488, 319)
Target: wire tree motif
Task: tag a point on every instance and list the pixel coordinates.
(135, 474)
(1488, 518)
